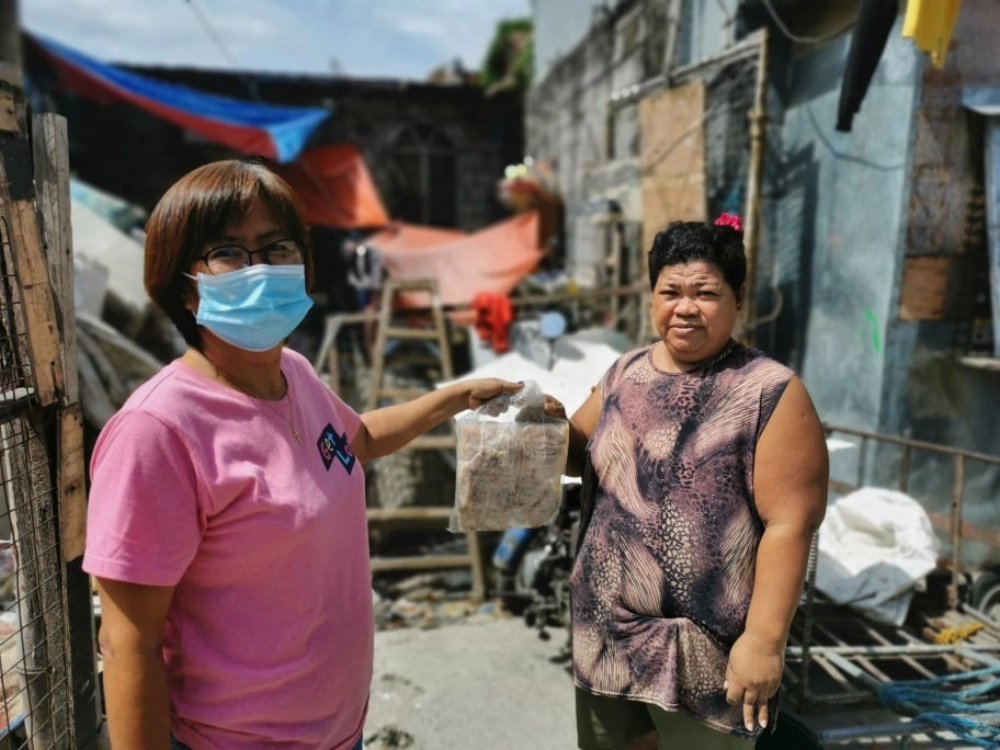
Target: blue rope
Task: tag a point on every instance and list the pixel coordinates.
(952, 710)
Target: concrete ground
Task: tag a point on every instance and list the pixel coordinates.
(487, 685)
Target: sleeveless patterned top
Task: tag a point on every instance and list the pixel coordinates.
(662, 582)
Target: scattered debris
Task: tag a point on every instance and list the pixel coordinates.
(431, 608)
(389, 738)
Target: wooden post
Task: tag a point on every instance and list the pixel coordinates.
(10, 42)
(751, 218)
(41, 319)
(47, 463)
(51, 171)
(50, 142)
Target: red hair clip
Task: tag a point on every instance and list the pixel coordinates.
(730, 220)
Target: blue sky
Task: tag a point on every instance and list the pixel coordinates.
(367, 38)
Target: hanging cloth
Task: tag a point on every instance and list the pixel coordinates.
(929, 23)
(871, 32)
(494, 314)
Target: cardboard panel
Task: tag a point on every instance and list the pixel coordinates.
(925, 286)
(673, 158)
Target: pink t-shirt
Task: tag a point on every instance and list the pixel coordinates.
(270, 632)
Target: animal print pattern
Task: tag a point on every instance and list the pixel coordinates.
(664, 574)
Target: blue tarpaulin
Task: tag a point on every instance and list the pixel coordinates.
(277, 132)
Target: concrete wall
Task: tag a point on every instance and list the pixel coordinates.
(845, 217)
(941, 396)
(567, 124)
(937, 395)
(833, 225)
(559, 26)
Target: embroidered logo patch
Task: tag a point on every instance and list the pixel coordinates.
(333, 446)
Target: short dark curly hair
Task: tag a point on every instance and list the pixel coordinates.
(685, 241)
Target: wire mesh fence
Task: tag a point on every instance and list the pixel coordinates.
(34, 628)
(729, 98)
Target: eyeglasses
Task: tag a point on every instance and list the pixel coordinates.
(233, 257)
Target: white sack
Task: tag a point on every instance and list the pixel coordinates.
(875, 547)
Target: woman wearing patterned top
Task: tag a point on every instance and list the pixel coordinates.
(705, 472)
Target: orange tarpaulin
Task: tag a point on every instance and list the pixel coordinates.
(405, 238)
(336, 188)
(490, 260)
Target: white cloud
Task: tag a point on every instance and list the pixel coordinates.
(377, 38)
(456, 28)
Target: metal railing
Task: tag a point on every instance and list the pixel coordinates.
(835, 646)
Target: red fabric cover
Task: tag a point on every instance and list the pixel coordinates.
(494, 314)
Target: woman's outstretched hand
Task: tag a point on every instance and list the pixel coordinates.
(483, 389)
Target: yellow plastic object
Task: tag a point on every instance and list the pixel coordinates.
(957, 633)
(930, 24)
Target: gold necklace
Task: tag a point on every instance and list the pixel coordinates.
(289, 391)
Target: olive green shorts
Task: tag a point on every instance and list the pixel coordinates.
(614, 723)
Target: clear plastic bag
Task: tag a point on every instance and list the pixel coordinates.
(511, 457)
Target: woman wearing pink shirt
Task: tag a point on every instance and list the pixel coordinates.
(226, 525)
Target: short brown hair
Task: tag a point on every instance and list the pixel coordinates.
(197, 210)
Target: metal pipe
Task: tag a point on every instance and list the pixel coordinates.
(670, 43)
(751, 220)
(796, 652)
(958, 485)
(990, 622)
(919, 444)
(986, 659)
(807, 612)
(630, 94)
(854, 672)
(847, 698)
(842, 734)
(862, 461)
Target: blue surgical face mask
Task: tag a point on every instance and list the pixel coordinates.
(254, 308)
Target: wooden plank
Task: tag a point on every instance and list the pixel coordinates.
(912, 663)
(424, 562)
(16, 402)
(476, 557)
(673, 158)
(51, 158)
(866, 663)
(924, 289)
(835, 673)
(409, 514)
(411, 334)
(71, 483)
(39, 304)
(8, 109)
(432, 443)
(18, 211)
